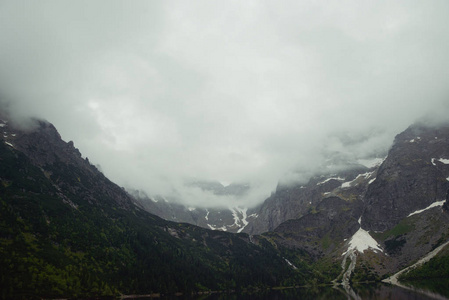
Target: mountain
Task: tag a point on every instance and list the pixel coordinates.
(292, 202)
(67, 231)
(381, 218)
(413, 176)
(385, 211)
(231, 219)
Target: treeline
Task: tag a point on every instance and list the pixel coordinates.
(437, 267)
(59, 237)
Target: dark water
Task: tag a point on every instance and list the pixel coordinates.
(363, 291)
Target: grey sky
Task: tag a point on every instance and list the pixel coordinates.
(159, 92)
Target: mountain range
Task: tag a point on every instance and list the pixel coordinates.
(68, 231)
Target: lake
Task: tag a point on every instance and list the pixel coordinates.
(361, 291)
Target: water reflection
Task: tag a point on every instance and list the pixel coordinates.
(384, 291)
(300, 293)
(435, 290)
(439, 286)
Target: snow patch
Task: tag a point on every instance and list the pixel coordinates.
(290, 264)
(9, 144)
(207, 215)
(435, 204)
(2, 125)
(191, 208)
(346, 184)
(361, 241)
(237, 220)
(371, 162)
(336, 178)
(244, 221)
(223, 228)
(371, 181)
(236, 217)
(350, 183)
(442, 160)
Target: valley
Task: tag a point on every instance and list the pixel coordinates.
(67, 231)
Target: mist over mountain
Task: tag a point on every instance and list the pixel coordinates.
(158, 93)
(66, 230)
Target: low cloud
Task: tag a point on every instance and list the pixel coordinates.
(158, 93)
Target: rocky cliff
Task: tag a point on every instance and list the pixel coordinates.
(386, 217)
(413, 176)
(231, 219)
(66, 231)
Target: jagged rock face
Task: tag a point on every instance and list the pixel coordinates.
(63, 164)
(294, 202)
(417, 235)
(400, 205)
(321, 231)
(446, 204)
(67, 231)
(286, 204)
(44, 145)
(233, 219)
(413, 176)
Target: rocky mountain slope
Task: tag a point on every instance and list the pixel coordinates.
(391, 204)
(67, 231)
(382, 219)
(414, 175)
(293, 202)
(231, 219)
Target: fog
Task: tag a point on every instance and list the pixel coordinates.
(159, 93)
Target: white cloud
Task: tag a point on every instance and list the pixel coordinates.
(253, 91)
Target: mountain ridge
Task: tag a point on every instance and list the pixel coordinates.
(67, 230)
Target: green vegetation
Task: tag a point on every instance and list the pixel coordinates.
(64, 234)
(326, 269)
(364, 272)
(404, 227)
(326, 241)
(437, 267)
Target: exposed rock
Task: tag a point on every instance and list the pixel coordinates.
(323, 229)
(43, 145)
(293, 202)
(232, 219)
(411, 178)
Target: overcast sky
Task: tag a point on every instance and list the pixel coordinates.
(160, 92)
